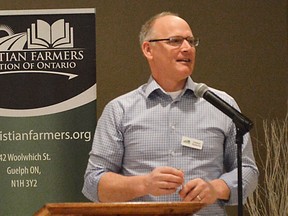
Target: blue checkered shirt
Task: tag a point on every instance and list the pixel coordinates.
(143, 129)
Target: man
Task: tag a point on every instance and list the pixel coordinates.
(140, 150)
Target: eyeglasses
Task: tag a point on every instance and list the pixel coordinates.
(178, 40)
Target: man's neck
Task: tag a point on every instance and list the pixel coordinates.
(171, 85)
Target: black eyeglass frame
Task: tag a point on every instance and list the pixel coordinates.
(170, 40)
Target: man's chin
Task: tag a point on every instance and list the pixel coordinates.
(185, 72)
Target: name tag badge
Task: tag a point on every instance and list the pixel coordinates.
(191, 143)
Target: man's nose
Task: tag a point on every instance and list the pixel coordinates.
(186, 45)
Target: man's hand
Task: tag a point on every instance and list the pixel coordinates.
(201, 191)
(163, 180)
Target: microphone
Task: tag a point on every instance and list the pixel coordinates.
(241, 121)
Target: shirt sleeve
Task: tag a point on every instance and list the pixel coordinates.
(250, 171)
(107, 150)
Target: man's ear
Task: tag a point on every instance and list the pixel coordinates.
(146, 49)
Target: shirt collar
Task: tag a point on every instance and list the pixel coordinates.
(152, 86)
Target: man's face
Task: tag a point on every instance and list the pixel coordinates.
(175, 63)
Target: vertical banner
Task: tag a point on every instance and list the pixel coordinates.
(47, 106)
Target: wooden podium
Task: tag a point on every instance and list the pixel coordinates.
(120, 209)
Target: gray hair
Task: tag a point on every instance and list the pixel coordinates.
(146, 29)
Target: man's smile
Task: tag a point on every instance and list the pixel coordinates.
(184, 60)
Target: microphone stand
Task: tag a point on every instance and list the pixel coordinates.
(239, 142)
(241, 130)
(242, 123)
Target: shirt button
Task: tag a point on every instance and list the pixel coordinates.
(172, 153)
(173, 127)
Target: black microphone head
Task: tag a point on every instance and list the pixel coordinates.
(200, 89)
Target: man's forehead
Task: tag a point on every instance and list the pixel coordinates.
(167, 19)
(169, 23)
